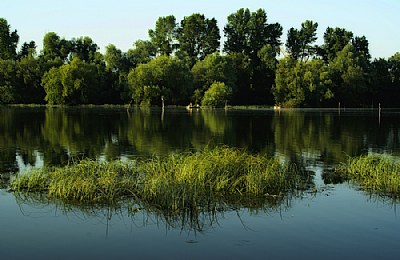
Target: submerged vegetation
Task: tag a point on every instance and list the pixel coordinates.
(175, 183)
(376, 174)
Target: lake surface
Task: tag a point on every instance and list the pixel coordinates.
(339, 221)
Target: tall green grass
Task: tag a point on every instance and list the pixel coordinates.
(85, 182)
(174, 183)
(378, 174)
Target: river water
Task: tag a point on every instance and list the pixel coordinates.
(339, 221)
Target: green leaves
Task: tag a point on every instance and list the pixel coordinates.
(350, 83)
(248, 32)
(213, 68)
(73, 83)
(8, 41)
(164, 34)
(170, 75)
(217, 95)
(334, 41)
(302, 83)
(299, 42)
(198, 36)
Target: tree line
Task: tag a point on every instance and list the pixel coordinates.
(184, 62)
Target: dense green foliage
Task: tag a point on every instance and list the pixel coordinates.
(213, 68)
(165, 77)
(8, 41)
(247, 35)
(182, 59)
(301, 83)
(217, 95)
(198, 37)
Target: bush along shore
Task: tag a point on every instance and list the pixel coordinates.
(175, 183)
(377, 174)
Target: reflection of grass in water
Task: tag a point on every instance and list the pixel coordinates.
(179, 185)
(377, 174)
(140, 216)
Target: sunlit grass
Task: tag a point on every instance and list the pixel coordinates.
(173, 183)
(86, 181)
(378, 174)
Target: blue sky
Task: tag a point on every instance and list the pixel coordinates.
(122, 22)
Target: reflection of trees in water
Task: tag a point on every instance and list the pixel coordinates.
(188, 220)
(60, 135)
(79, 133)
(327, 138)
(216, 127)
(17, 137)
(151, 134)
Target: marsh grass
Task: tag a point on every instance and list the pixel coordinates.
(182, 183)
(377, 174)
(85, 182)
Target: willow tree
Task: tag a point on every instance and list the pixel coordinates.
(302, 83)
(71, 84)
(162, 78)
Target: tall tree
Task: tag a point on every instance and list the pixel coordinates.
(113, 58)
(30, 76)
(55, 47)
(334, 41)
(26, 49)
(198, 36)
(361, 47)
(142, 52)
(237, 32)
(382, 90)
(242, 69)
(248, 33)
(118, 65)
(8, 41)
(8, 81)
(84, 48)
(164, 35)
(349, 78)
(299, 43)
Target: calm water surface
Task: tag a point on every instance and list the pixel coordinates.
(338, 222)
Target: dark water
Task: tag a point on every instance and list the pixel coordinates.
(338, 222)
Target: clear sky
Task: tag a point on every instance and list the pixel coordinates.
(122, 22)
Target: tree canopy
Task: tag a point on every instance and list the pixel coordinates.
(8, 40)
(182, 62)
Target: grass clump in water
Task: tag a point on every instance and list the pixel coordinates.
(375, 173)
(85, 182)
(173, 183)
(182, 180)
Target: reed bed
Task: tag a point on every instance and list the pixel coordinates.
(377, 174)
(85, 182)
(177, 182)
